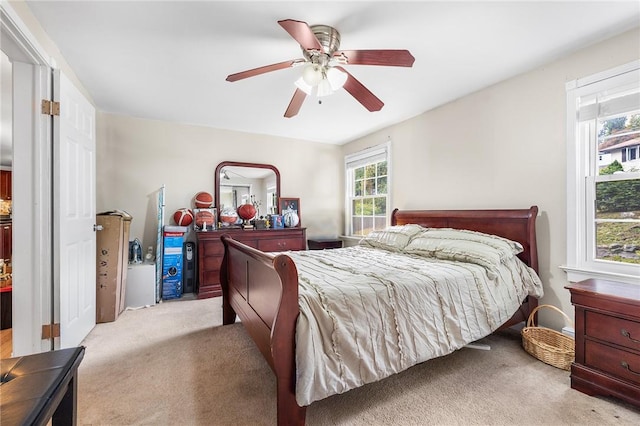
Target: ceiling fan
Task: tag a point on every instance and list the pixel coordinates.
(323, 65)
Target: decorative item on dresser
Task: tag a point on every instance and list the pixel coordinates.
(607, 339)
(290, 211)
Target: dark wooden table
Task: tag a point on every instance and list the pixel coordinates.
(324, 243)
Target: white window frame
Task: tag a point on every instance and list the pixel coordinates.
(360, 158)
(581, 259)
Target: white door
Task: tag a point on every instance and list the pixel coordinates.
(74, 212)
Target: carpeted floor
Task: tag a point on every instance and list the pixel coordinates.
(174, 364)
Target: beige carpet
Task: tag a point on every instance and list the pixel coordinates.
(174, 364)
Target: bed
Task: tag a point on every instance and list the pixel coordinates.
(266, 291)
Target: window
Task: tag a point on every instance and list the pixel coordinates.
(367, 190)
(603, 176)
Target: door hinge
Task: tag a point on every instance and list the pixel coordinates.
(50, 331)
(50, 107)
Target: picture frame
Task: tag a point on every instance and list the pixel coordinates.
(276, 221)
(290, 203)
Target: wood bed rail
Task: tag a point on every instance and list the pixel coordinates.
(251, 282)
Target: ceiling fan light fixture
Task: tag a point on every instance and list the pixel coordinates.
(336, 78)
(312, 74)
(324, 88)
(302, 85)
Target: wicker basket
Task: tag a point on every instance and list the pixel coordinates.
(549, 346)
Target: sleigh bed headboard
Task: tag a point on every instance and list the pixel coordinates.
(517, 225)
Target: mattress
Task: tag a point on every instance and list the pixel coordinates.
(370, 311)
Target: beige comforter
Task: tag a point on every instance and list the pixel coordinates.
(356, 328)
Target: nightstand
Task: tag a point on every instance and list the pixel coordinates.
(324, 243)
(607, 339)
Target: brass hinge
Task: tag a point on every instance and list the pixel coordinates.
(50, 331)
(50, 107)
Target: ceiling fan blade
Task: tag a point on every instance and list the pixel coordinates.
(302, 33)
(262, 70)
(390, 58)
(295, 104)
(361, 93)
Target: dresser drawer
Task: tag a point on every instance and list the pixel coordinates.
(211, 251)
(622, 364)
(247, 240)
(620, 331)
(281, 244)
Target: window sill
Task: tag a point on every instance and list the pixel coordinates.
(351, 237)
(575, 274)
(350, 240)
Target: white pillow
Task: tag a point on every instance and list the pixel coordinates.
(488, 251)
(507, 248)
(393, 238)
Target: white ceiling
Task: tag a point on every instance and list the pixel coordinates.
(168, 60)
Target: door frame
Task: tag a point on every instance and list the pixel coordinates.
(32, 185)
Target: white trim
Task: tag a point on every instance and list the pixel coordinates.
(32, 260)
(581, 262)
(575, 274)
(353, 160)
(17, 30)
(366, 154)
(603, 75)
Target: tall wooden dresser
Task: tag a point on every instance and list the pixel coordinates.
(607, 339)
(211, 251)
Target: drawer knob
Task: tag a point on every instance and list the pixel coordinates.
(626, 334)
(626, 367)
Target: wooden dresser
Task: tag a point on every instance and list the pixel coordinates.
(607, 339)
(211, 251)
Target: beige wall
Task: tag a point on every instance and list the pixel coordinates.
(135, 157)
(502, 147)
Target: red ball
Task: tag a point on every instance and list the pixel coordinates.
(203, 200)
(247, 211)
(203, 218)
(183, 217)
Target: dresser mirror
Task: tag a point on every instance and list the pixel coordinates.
(239, 183)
